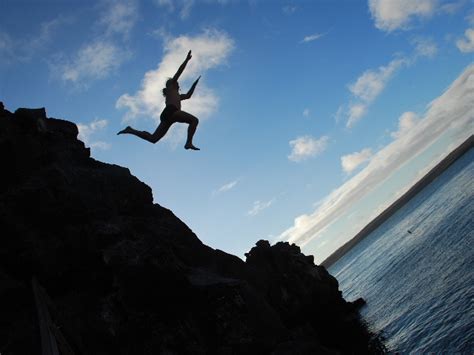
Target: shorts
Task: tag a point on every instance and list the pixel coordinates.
(168, 113)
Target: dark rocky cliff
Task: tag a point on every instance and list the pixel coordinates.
(121, 275)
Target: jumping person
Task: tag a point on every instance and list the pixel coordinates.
(172, 112)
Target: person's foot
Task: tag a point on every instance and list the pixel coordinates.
(191, 146)
(127, 129)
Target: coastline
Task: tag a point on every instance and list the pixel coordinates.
(401, 201)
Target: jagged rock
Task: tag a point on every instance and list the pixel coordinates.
(358, 303)
(126, 276)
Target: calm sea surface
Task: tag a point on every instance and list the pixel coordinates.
(419, 287)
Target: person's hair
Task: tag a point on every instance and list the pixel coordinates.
(165, 89)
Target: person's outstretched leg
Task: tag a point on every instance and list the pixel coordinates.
(184, 117)
(152, 138)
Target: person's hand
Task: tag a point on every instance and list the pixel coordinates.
(196, 82)
(189, 56)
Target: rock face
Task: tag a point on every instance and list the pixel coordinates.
(125, 276)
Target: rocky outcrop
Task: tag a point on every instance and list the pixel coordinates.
(121, 275)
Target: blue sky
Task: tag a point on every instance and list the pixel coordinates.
(314, 115)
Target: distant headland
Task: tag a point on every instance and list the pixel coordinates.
(394, 207)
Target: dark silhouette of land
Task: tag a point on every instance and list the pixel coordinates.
(90, 265)
(394, 207)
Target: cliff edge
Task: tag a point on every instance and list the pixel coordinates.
(114, 273)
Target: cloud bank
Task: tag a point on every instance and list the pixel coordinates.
(452, 111)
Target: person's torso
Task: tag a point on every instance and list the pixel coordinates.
(173, 98)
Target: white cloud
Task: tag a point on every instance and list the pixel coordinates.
(466, 45)
(356, 112)
(93, 61)
(226, 187)
(103, 54)
(259, 206)
(306, 147)
(209, 49)
(306, 112)
(120, 17)
(406, 122)
(451, 112)
(391, 15)
(87, 131)
(368, 86)
(350, 162)
(99, 145)
(372, 82)
(312, 37)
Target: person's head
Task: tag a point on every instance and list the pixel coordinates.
(170, 85)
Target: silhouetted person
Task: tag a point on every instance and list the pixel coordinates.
(172, 112)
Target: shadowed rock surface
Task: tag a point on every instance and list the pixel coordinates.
(126, 276)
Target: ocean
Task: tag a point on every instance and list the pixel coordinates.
(419, 286)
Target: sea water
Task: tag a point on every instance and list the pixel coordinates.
(419, 286)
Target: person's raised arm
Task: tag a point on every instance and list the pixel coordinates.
(191, 90)
(182, 66)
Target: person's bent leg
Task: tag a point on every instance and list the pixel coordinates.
(184, 117)
(160, 131)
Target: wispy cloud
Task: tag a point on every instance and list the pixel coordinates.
(93, 61)
(88, 131)
(372, 82)
(119, 17)
(306, 112)
(466, 44)
(368, 86)
(226, 187)
(350, 162)
(306, 147)
(24, 49)
(259, 206)
(452, 111)
(424, 47)
(312, 37)
(289, 9)
(210, 49)
(104, 53)
(184, 7)
(391, 15)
